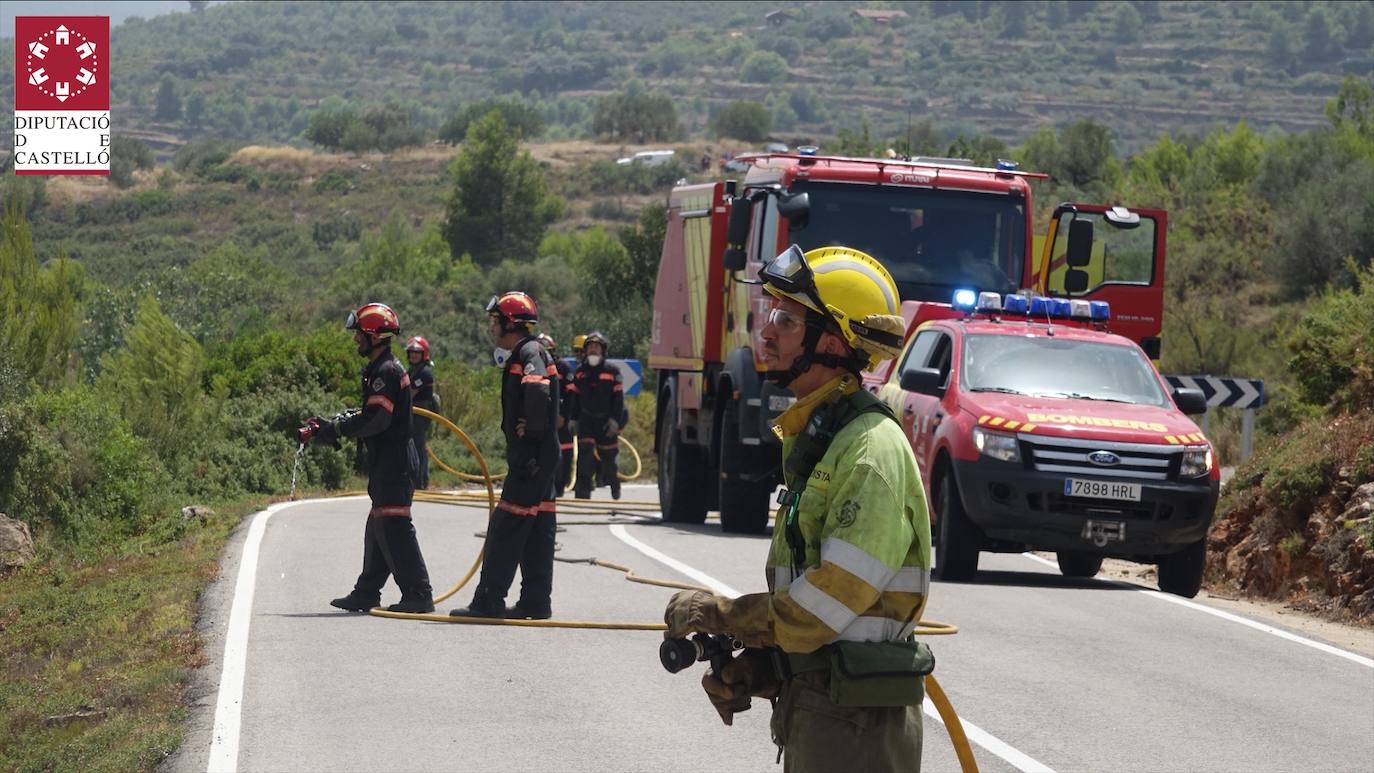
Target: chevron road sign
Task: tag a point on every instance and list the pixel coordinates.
(631, 374)
(1223, 392)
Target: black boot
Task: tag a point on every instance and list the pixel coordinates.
(482, 606)
(475, 610)
(415, 606)
(353, 603)
(615, 488)
(519, 612)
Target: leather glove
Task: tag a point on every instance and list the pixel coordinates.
(320, 429)
(748, 674)
(746, 618)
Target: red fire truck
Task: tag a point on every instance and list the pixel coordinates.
(1034, 427)
(938, 225)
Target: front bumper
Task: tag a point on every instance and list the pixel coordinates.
(1012, 504)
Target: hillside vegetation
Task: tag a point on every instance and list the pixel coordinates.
(256, 71)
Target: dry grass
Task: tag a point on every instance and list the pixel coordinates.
(282, 158)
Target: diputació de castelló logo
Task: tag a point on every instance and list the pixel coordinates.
(62, 95)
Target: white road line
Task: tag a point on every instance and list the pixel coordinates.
(1224, 615)
(1005, 751)
(224, 743)
(701, 577)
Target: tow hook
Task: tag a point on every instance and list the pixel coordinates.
(1102, 532)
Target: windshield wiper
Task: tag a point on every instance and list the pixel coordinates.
(1002, 390)
(1081, 396)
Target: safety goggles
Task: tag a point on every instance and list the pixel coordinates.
(352, 322)
(790, 273)
(784, 320)
(493, 305)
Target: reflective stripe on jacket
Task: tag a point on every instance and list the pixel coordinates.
(867, 529)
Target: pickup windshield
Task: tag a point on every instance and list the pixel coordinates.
(931, 241)
(1058, 367)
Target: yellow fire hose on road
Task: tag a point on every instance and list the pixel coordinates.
(468, 499)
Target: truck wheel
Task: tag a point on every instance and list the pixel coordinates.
(682, 473)
(744, 504)
(1181, 573)
(1074, 563)
(958, 540)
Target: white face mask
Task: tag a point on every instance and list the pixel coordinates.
(500, 356)
(593, 360)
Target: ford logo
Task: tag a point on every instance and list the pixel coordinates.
(1104, 458)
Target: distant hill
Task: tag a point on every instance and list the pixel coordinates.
(255, 71)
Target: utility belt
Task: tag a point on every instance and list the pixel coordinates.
(865, 673)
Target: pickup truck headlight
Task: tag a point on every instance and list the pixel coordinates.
(1196, 462)
(997, 445)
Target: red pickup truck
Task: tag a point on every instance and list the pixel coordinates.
(1035, 428)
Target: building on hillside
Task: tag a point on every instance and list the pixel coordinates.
(878, 16)
(779, 17)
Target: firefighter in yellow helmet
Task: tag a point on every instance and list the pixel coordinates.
(849, 564)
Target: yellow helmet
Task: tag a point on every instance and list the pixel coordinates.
(850, 288)
(579, 343)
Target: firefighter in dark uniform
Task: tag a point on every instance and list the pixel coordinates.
(390, 548)
(521, 531)
(600, 411)
(567, 409)
(422, 395)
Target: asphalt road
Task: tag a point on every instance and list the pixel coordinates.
(1050, 673)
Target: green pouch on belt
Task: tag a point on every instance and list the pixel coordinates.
(864, 673)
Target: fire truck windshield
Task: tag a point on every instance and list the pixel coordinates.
(930, 240)
(1057, 367)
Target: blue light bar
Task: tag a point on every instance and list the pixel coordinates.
(1100, 311)
(1060, 308)
(1040, 307)
(964, 300)
(1016, 304)
(807, 150)
(1003, 165)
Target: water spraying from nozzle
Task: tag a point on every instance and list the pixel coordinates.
(296, 470)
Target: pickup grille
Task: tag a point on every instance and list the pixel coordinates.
(1139, 461)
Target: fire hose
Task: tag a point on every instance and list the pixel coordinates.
(472, 498)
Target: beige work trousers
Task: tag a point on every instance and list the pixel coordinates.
(817, 736)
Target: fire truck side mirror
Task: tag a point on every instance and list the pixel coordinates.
(1075, 281)
(796, 208)
(925, 381)
(1191, 401)
(1080, 242)
(737, 233)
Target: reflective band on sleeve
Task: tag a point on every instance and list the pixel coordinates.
(619, 388)
(548, 506)
(516, 370)
(910, 579)
(608, 377)
(782, 578)
(857, 562)
(825, 607)
(383, 401)
(609, 447)
(403, 510)
(875, 629)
